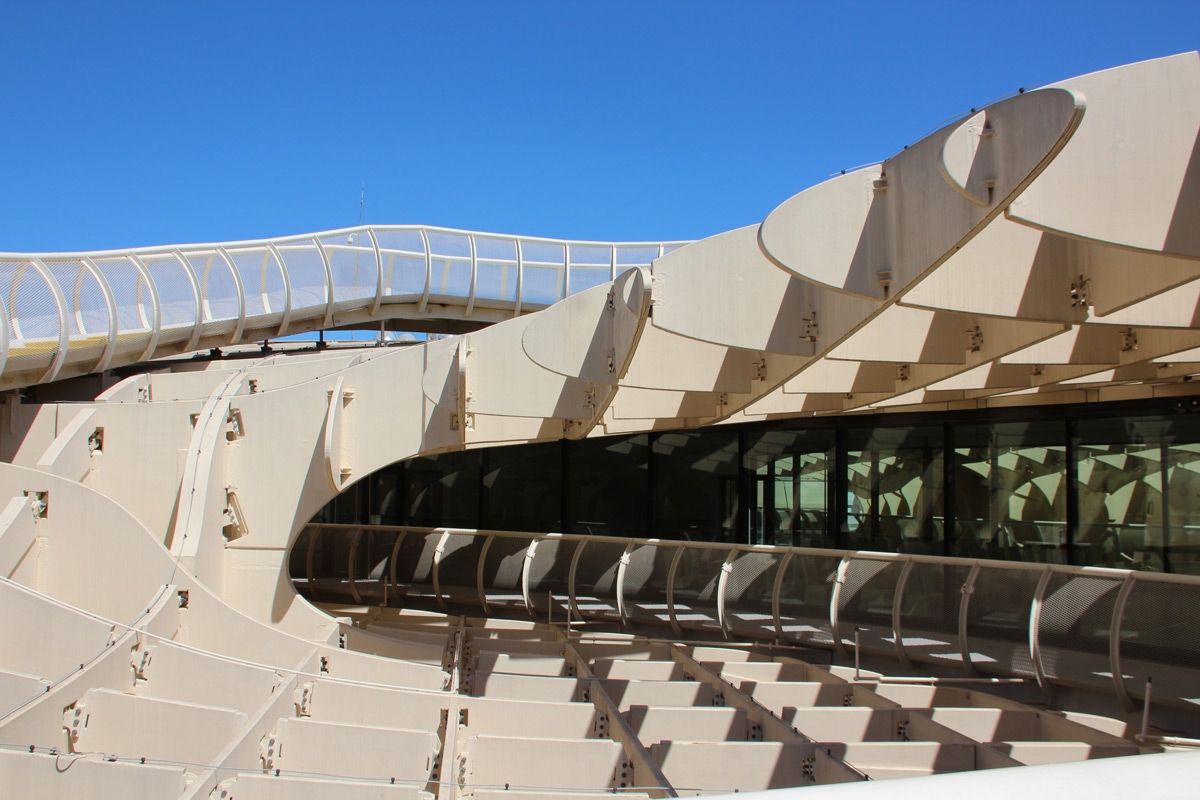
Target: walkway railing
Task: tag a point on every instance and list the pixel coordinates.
(86, 312)
(1102, 629)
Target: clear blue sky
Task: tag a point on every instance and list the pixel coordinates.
(132, 124)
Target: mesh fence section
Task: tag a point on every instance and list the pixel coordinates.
(998, 620)
(496, 281)
(583, 278)
(748, 594)
(403, 241)
(596, 579)
(502, 568)
(353, 266)
(590, 254)
(695, 592)
(450, 278)
(1073, 630)
(91, 306)
(458, 574)
(218, 292)
(645, 585)
(403, 276)
(176, 299)
(33, 316)
(866, 601)
(442, 243)
(251, 265)
(805, 596)
(1160, 639)
(306, 272)
(929, 611)
(545, 253)
(549, 574)
(635, 256)
(65, 274)
(414, 565)
(541, 285)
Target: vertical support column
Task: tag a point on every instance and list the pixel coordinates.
(480, 590)
(287, 290)
(194, 340)
(622, 567)
(834, 599)
(474, 276)
(526, 567)
(1114, 643)
(722, 587)
(612, 264)
(154, 323)
(328, 282)
(392, 561)
(241, 290)
(64, 332)
(566, 281)
(776, 593)
(1035, 621)
(897, 616)
(428, 271)
(520, 281)
(378, 272)
(110, 302)
(674, 568)
(964, 647)
(437, 560)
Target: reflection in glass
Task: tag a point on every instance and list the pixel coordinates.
(894, 490)
(1011, 491)
(522, 488)
(695, 486)
(789, 487)
(443, 490)
(608, 486)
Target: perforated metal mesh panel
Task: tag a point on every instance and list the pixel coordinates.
(646, 583)
(805, 596)
(998, 620)
(458, 568)
(414, 564)
(177, 300)
(929, 612)
(502, 571)
(596, 579)
(748, 594)
(218, 292)
(1073, 632)
(695, 593)
(306, 271)
(352, 263)
(1160, 639)
(549, 574)
(866, 602)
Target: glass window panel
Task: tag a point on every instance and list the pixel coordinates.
(1010, 491)
(522, 488)
(443, 490)
(608, 485)
(788, 474)
(894, 490)
(695, 486)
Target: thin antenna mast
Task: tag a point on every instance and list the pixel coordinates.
(361, 197)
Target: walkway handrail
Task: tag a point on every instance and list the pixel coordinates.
(178, 298)
(1050, 623)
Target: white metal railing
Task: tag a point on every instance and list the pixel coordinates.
(95, 310)
(1050, 623)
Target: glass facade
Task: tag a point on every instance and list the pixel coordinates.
(1114, 485)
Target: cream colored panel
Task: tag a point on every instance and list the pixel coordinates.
(1129, 175)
